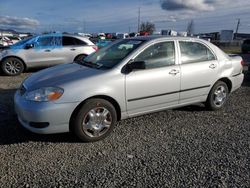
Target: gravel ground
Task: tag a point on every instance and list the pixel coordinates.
(185, 147)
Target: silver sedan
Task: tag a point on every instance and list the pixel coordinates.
(128, 78)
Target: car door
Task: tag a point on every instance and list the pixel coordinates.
(46, 52)
(199, 70)
(71, 48)
(157, 86)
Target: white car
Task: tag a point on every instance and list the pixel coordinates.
(14, 39)
(5, 41)
(43, 51)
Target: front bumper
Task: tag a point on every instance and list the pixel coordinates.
(56, 115)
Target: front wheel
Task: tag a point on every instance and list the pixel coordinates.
(217, 96)
(12, 66)
(95, 120)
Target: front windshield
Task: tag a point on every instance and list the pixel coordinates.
(113, 54)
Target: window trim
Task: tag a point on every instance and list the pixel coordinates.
(200, 42)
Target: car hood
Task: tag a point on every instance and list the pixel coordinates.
(59, 76)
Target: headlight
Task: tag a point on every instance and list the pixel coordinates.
(44, 94)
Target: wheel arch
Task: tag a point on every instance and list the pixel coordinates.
(12, 56)
(79, 56)
(227, 81)
(105, 97)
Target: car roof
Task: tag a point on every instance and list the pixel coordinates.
(83, 38)
(155, 37)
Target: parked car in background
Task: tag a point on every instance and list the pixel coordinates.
(43, 51)
(245, 48)
(103, 43)
(14, 39)
(5, 41)
(102, 36)
(122, 35)
(128, 78)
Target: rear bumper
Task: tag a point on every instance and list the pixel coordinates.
(237, 81)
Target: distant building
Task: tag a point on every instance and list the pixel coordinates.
(241, 36)
(226, 35)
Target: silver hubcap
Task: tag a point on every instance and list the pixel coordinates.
(220, 95)
(97, 122)
(13, 67)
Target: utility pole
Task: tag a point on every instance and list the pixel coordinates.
(139, 19)
(237, 28)
(84, 26)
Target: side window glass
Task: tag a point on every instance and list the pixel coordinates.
(68, 41)
(193, 52)
(158, 55)
(79, 42)
(45, 42)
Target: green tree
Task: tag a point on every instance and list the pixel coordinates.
(147, 27)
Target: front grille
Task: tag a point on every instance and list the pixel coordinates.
(22, 90)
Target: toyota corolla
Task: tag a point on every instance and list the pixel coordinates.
(128, 78)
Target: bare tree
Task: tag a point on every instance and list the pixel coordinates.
(147, 27)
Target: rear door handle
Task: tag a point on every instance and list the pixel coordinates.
(47, 50)
(174, 72)
(72, 49)
(212, 66)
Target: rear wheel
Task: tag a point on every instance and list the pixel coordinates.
(95, 120)
(80, 57)
(217, 96)
(12, 66)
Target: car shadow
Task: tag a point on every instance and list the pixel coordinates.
(192, 108)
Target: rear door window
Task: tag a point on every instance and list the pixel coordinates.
(68, 41)
(194, 52)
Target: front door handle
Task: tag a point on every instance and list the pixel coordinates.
(174, 72)
(212, 66)
(73, 49)
(47, 50)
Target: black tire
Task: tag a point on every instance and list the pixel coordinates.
(217, 96)
(100, 126)
(80, 57)
(12, 66)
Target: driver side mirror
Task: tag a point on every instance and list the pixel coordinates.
(137, 65)
(28, 46)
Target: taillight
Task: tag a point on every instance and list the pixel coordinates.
(242, 62)
(95, 48)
